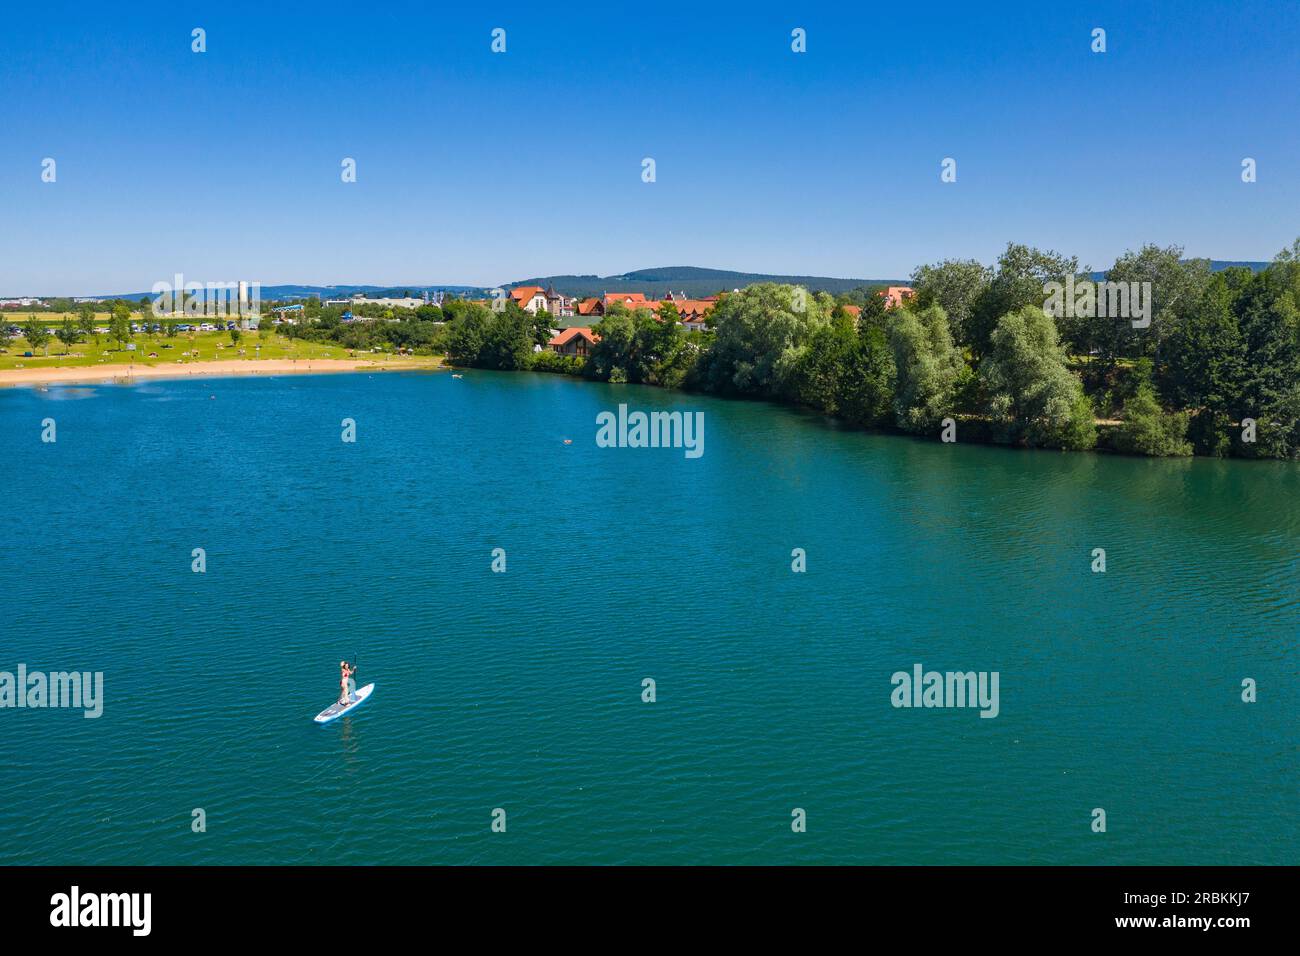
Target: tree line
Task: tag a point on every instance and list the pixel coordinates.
(1215, 370)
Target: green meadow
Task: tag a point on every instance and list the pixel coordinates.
(167, 350)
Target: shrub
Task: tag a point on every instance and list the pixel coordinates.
(1150, 430)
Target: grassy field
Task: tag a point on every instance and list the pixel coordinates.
(190, 347)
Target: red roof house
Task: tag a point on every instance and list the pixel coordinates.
(577, 341)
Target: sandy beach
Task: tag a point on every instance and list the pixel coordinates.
(217, 369)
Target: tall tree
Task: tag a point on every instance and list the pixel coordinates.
(1270, 387)
(845, 372)
(759, 332)
(69, 334)
(614, 357)
(468, 330)
(1022, 272)
(1032, 396)
(930, 369)
(955, 285)
(1202, 362)
(37, 334)
(507, 339)
(120, 327)
(1167, 286)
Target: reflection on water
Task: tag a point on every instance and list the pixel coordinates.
(64, 392)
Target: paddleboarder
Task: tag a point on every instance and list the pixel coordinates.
(347, 672)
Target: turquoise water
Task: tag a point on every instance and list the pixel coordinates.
(522, 690)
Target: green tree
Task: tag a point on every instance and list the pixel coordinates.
(846, 372)
(507, 341)
(37, 334)
(1165, 284)
(661, 341)
(69, 334)
(1148, 429)
(955, 285)
(1031, 396)
(235, 336)
(1202, 362)
(1270, 330)
(930, 369)
(1021, 274)
(759, 333)
(640, 346)
(425, 313)
(541, 325)
(86, 320)
(120, 326)
(1175, 286)
(616, 352)
(467, 332)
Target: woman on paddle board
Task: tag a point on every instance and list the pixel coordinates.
(343, 681)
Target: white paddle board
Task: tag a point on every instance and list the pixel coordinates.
(337, 709)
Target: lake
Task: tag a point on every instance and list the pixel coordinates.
(523, 690)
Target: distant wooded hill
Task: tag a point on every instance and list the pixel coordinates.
(696, 282)
(1216, 265)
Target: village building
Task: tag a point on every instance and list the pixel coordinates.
(895, 294)
(691, 312)
(630, 300)
(577, 341)
(530, 298)
(558, 304)
(405, 302)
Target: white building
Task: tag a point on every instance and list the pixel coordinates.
(411, 303)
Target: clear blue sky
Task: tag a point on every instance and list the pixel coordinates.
(480, 168)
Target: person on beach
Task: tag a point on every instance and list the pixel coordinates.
(348, 671)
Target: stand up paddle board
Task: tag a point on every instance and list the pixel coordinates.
(336, 710)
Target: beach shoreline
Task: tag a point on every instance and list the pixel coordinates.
(75, 375)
